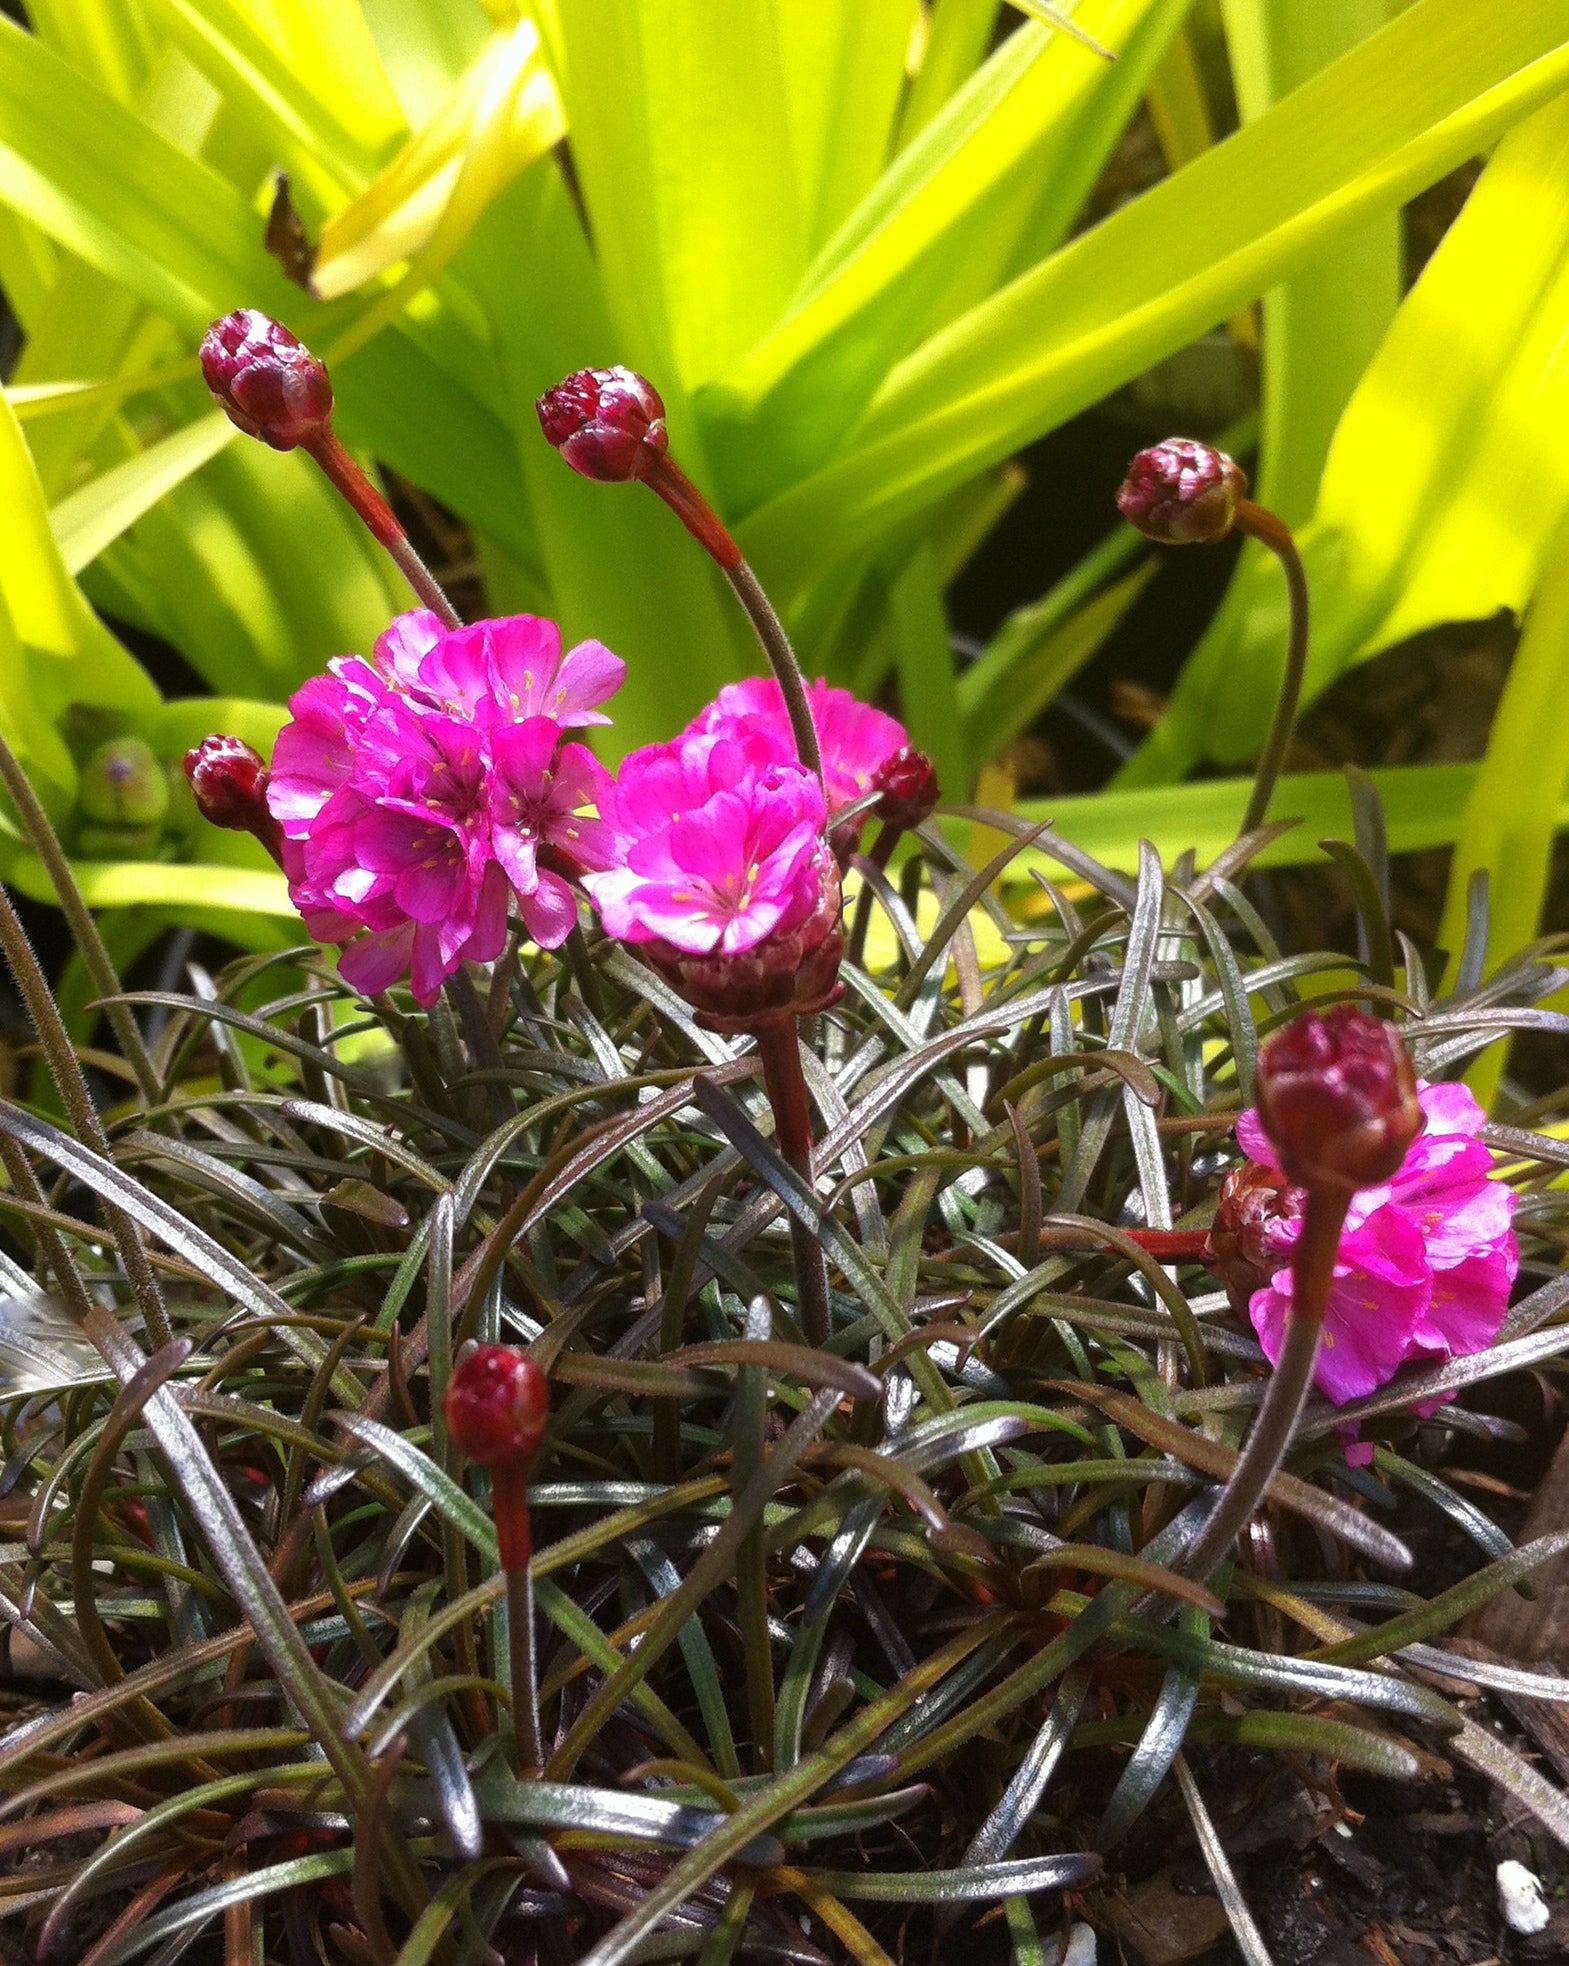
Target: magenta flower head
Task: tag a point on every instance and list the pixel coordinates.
(609, 424)
(230, 783)
(1182, 492)
(1337, 1098)
(864, 749)
(421, 791)
(1425, 1263)
(266, 380)
(722, 876)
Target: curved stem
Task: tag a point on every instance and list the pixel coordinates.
(780, 1049)
(382, 523)
(1312, 1272)
(705, 525)
(1263, 526)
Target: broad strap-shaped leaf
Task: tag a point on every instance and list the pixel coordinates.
(681, 139)
(1445, 478)
(1386, 119)
(101, 182)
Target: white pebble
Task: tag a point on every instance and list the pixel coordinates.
(1520, 1898)
(1081, 1947)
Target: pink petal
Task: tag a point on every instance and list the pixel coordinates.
(550, 912)
(375, 962)
(588, 676)
(1470, 1301)
(1253, 1140)
(1451, 1109)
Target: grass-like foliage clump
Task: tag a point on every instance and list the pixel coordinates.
(837, 1647)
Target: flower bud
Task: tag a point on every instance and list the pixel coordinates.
(1182, 492)
(1251, 1236)
(266, 380)
(124, 784)
(1337, 1096)
(230, 782)
(908, 784)
(608, 424)
(497, 1404)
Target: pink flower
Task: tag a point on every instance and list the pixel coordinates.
(417, 791)
(1426, 1259)
(503, 671)
(857, 741)
(540, 793)
(722, 874)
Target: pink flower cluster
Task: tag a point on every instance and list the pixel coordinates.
(416, 791)
(719, 835)
(1426, 1260)
(721, 869)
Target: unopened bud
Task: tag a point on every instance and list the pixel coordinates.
(1337, 1096)
(1182, 492)
(266, 380)
(908, 784)
(497, 1404)
(608, 424)
(230, 782)
(124, 784)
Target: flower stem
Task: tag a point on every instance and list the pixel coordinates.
(1312, 1272)
(708, 529)
(514, 1535)
(1262, 525)
(779, 1046)
(381, 522)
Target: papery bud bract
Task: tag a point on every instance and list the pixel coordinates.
(609, 424)
(266, 380)
(230, 782)
(792, 973)
(1337, 1096)
(1182, 492)
(497, 1404)
(1253, 1231)
(124, 784)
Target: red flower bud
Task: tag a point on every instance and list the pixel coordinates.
(497, 1405)
(1182, 492)
(909, 788)
(230, 782)
(1246, 1247)
(608, 424)
(266, 380)
(1337, 1096)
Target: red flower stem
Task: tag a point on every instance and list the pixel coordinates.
(381, 522)
(1263, 526)
(515, 1539)
(672, 484)
(1312, 1273)
(779, 1047)
(1172, 1245)
(888, 837)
